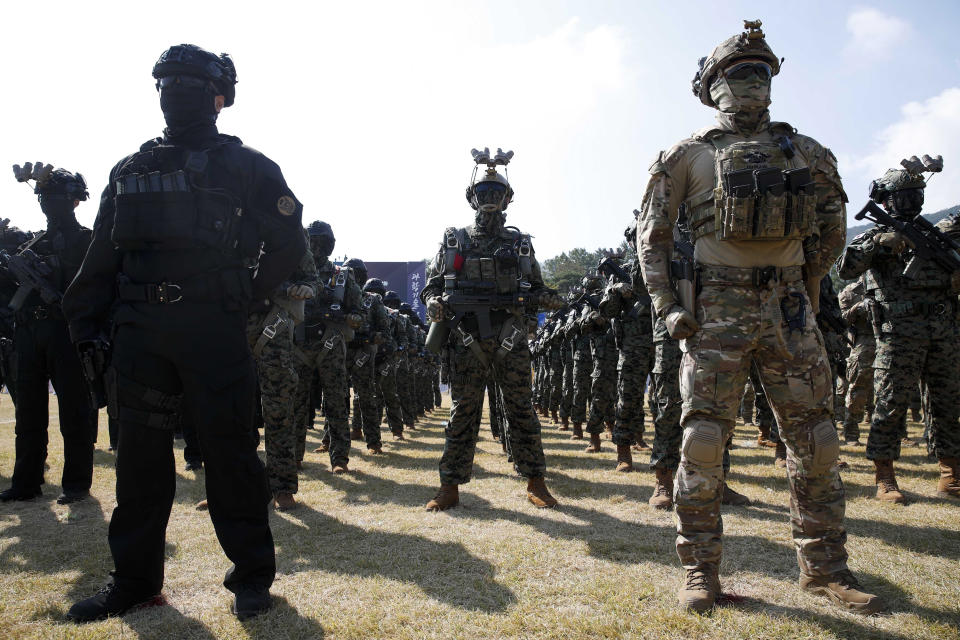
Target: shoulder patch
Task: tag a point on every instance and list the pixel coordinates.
(286, 205)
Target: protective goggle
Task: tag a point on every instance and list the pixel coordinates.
(745, 70)
(489, 192)
(185, 82)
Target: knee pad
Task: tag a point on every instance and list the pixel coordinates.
(825, 447)
(703, 443)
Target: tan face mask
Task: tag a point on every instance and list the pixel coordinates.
(738, 96)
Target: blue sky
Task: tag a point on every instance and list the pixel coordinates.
(371, 108)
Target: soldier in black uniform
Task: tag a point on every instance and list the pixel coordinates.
(42, 348)
(184, 224)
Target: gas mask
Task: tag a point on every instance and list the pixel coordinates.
(321, 246)
(904, 203)
(489, 199)
(743, 86)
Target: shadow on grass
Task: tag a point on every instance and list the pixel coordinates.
(445, 571)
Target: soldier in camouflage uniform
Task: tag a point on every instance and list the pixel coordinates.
(270, 332)
(835, 338)
(627, 306)
(555, 356)
(856, 312)
(491, 258)
(566, 353)
(917, 335)
(582, 365)
(385, 368)
(765, 208)
(603, 355)
(406, 340)
(372, 336)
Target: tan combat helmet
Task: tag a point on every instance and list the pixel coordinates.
(749, 44)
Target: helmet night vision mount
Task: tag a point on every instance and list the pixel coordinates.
(491, 191)
(910, 177)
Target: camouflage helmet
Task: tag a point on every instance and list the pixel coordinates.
(489, 176)
(191, 60)
(748, 44)
(375, 285)
(407, 310)
(895, 180)
(358, 267)
(61, 182)
(592, 282)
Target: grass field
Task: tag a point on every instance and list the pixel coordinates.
(361, 559)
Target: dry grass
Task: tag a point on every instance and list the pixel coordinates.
(361, 559)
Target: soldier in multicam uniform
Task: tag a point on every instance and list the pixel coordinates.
(916, 331)
(471, 260)
(765, 208)
(856, 312)
(627, 306)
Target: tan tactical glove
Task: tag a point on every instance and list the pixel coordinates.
(300, 292)
(681, 323)
(435, 310)
(892, 240)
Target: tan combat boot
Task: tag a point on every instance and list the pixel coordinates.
(375, 450)
(284, 502)
(538, 494)
(949, 485)
(700, 588)
(340, 468)
(844, 590)
(662, 497)
(323, 448)
(887, 489)
(447, 498)
(780, 456)
(594, 445)
(565, 424)
(356, 433)
(732, 498)
(624, 458)
(763, 438)
(577, 431)
(641, 445)
(202, 505)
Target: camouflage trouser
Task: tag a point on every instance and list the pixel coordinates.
(566, 391)
(603, 383)
(365, 414)
(303, 410)
(582, 366)
(405, 391)
(468, 379)
(736, 326)
(278, 378)
(632, 369)
(435, 383)
(764, 413)
(539, 385)
(859, 395)
(386, 377)
(746, 402)
(901, 362)
(665, 390)
(555, 380)
(329, 361)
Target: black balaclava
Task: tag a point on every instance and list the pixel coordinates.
(904, 204)
(59, 210)
(189, 111)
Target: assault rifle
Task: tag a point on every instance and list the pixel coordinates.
(608, 267)
(928, 242)
(461, 305)
(31, 273)
(683, 269)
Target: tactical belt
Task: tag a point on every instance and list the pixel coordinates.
(904, 308)
(205, 288)
(747, 276)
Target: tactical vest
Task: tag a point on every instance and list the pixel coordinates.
(762, 191)
(162, 205)
(472, 270)
(886, 283)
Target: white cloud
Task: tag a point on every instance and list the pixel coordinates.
(874, 35)
(931, 126)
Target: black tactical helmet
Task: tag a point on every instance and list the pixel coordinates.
(321, 233)
(359, 269)
(392, 299)
(61, 182)
(406, 309)
(191, 60)
(375, 285)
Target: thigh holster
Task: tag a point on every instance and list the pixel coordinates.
(161, 410)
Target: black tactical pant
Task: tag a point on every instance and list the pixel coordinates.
(44, 353)
(211, 366)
